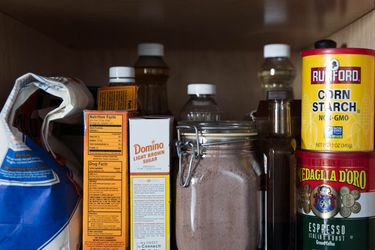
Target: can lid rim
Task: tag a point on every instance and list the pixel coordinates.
(335, 155)
(328, 51)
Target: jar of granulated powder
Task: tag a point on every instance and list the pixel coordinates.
(216, 196)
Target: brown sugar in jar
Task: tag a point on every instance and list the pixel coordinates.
(216, 201)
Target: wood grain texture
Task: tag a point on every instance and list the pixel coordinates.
(24, 50)
(358, 34)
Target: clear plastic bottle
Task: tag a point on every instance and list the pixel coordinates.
(201, 105)
(277, 72)
(151, 75)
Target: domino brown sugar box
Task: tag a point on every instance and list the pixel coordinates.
(338, 99)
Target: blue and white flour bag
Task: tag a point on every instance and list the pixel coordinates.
(40, 199)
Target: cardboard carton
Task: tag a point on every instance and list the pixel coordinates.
(106, 180)
(149, 150)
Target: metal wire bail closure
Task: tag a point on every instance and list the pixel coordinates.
(181, 148)
(202, 135)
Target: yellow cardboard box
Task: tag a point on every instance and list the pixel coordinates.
(117, 98)
(106, 199)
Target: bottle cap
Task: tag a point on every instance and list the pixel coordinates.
(121, 74)
(325, 43)
(201, 89)
(276, 50)
(150, 49)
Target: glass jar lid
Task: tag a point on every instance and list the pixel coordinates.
(194, 136)
(216, 132)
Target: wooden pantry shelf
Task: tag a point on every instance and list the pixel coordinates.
(205, 41)
(186, 24)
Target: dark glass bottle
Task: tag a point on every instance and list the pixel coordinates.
(278, 179)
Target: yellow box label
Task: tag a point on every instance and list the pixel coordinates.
(150, 212)
(105, 216)
(117, 98)
(338, 102)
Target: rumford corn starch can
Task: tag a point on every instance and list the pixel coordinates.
(338, 99)
(335, 200)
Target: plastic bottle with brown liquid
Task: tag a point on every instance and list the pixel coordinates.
(151, 75)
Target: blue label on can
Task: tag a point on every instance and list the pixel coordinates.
(333, 132)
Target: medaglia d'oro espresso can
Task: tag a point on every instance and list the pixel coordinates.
(335, 200)
(338, 99)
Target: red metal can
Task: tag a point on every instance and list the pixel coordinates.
(335, 200)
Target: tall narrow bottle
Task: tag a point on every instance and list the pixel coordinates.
(151, 74)
(278, 172)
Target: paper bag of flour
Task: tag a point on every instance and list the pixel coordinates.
(40, 204)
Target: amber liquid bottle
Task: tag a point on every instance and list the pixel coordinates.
(151, 75)
(278, 179)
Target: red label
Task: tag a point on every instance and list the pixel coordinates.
(352, 172)
(355, 178)
(331, 184)
(340, 75)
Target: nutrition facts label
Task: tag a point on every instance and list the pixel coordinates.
(104, 198)
(105, 134)
(106, 214)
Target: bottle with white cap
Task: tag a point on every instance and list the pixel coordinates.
(151, 75)
(277, 72)
(121, 94)
(201, 105)
(121, 76)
